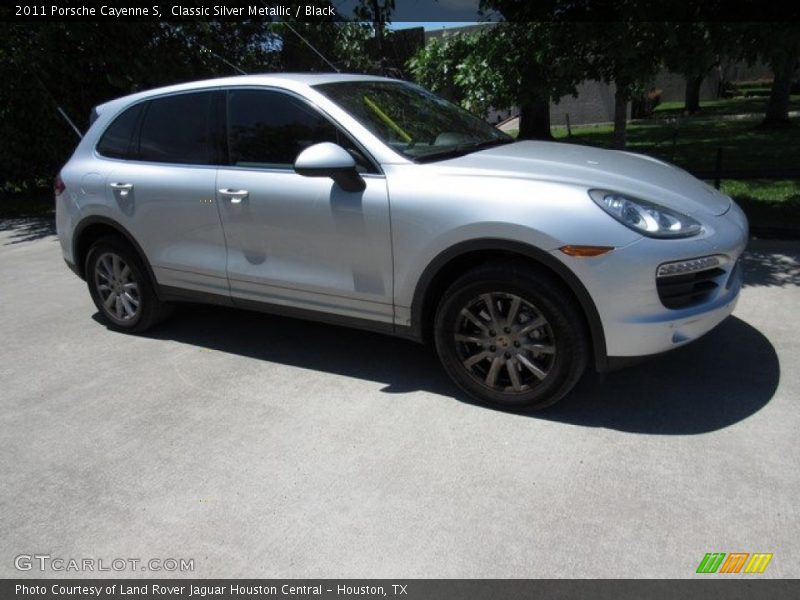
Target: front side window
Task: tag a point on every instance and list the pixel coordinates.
(269, 129)
(117, 140)
(178, 129)
(413, 121)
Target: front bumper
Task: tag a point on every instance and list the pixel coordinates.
(668, 329)
(622, 285)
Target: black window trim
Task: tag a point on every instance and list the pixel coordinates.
(375, 169)
(216, 130)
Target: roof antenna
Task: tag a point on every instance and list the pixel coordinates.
(307, 43)
(58, 108)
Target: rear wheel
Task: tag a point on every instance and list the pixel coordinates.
(120, 287)
(511, 336)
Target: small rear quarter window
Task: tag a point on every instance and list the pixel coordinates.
(116, 141)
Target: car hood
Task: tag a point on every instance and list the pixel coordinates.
(596, 168)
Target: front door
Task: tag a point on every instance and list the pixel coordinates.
(298, 241)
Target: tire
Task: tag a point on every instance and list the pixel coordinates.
(528, 361)
(121, 288)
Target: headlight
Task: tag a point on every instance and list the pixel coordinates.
(645, 217)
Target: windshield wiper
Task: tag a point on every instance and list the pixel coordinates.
(463, 149)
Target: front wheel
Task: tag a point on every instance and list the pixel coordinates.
(511, 336)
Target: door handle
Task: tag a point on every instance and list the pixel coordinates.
(234, 196)
(122, 188)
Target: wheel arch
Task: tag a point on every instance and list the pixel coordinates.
(456, 260)
(92, 228)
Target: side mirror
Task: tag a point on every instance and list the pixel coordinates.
(330, 160)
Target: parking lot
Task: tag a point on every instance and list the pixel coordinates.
(269, 447)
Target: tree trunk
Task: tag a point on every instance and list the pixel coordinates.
(534, 120)
(692, 98)
(620, 119)
(378, 23)
(777, 114)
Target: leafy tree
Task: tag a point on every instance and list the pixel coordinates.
(351, 47)
(377, 12)
(692, 49)
(341, 44)
(527, 64)
(627, 54)
(81, 64)
(315, 46)
(541, 53)
(227, 47)
(78, 65)
(573, 45)
(436, 66)
(778, 45)
(71, 65)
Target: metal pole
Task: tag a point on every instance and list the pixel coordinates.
(718, 170)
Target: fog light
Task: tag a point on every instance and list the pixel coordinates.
(682, 267)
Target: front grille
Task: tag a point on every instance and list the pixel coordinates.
(680, 291)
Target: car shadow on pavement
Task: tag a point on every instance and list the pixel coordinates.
(717, 381)
(721, 379)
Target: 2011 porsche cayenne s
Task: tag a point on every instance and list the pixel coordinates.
(373, 203)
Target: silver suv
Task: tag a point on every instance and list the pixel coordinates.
(373, 203)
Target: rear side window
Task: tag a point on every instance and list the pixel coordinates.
(269, 129)
(117, 140)
(178, 129)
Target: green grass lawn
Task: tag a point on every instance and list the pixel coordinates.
(769, 203)
(726, 106)
(767, 190)
(744, 146)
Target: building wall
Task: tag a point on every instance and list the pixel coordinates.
(595, 100)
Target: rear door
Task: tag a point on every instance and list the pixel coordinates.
(300, 241)
(165, 190)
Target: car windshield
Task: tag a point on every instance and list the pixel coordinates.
(413, 121)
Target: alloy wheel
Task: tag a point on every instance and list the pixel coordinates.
(504, 342)
(119, 292)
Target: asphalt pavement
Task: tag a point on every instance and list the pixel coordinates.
(261, 446)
